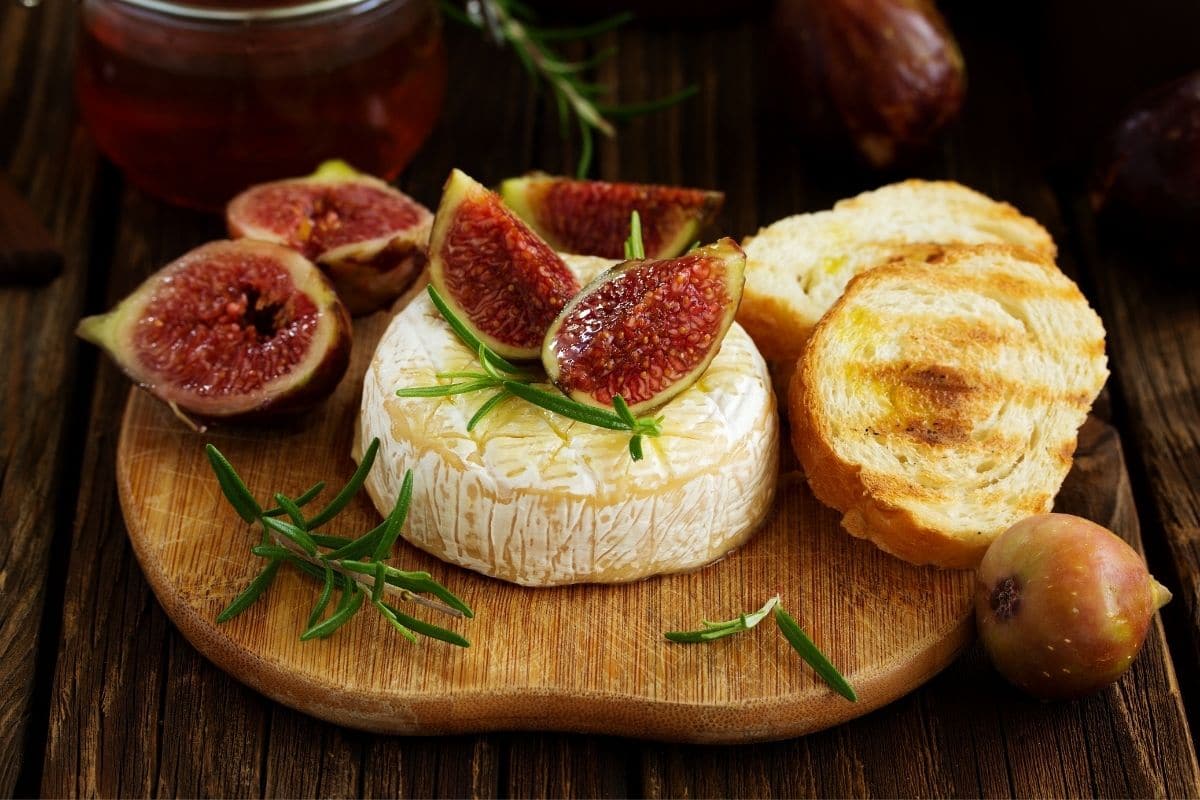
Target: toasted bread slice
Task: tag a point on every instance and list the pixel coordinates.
(797, 268)
(938, 401)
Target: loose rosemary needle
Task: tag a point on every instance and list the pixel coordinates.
(354, 569)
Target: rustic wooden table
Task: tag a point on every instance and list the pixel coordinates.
(100, 694)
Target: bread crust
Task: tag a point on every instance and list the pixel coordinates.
(796, 266)
(877, 505)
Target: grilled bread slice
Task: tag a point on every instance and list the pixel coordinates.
(797, 267)
(938, 401)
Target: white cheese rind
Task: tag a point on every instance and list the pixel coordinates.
(541, 500)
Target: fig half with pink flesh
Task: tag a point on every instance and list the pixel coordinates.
(230, 329)
(646, 330)
(592, 217)
(501, 279)
(368, 236)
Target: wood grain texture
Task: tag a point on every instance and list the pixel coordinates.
(54, 168)
(28, 254)
(580, 658)
(1152, 305)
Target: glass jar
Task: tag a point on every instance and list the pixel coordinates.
(196, 99)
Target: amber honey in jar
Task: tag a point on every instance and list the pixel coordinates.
(196, 99)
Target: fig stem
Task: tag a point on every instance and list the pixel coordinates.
(1160, 594)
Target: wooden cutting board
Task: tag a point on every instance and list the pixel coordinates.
(579, 658)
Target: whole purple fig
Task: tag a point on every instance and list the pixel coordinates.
(1063, 605)
(888, 72)
(1150, 168)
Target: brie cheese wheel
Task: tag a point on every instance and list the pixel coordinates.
(539, 499)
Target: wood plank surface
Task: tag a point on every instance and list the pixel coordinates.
(133, 710)
(1151, 303)
(52, 165)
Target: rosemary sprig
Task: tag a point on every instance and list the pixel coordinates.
(513, 386)
(791, 631)
(511, 23)
(517, 383)
(355, 568)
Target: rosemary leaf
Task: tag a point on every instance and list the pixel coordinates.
(637, 109)
(635, 447)
(311, 494)
(301, 501)
(325, 540)
(379, 583)
(564, 406)
(251, 592)
(322, 601)
(464, 333)
(350, 489)
(361, 546)
(587, 150)
(475, 376)
(634, 247)
(232, 486)
(447, 389)
(351, 601)
(582, 31)
(427, 585)
(803, 645)
(394, 620)
(297, 535)
(487, 408)
(428, 629)
(289, 506)
(395, 521)
(270, 551)
(622, 409)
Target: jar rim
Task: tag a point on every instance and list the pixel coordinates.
(307, 8)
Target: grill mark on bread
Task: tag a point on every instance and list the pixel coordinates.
(914, 355)
(939, 402)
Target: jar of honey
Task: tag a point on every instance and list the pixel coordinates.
(197, 99)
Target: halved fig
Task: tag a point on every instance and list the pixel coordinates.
(500, 277)
(592, 217)
(646, 330)
(230, 329)
(366, 234)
